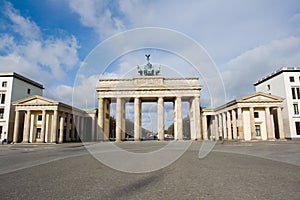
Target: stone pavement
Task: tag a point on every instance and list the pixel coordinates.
(231, 171)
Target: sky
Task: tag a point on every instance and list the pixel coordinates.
(51, 41)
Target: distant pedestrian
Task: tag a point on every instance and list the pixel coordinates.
(4, 138)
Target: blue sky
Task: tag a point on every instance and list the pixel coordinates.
(49, 40)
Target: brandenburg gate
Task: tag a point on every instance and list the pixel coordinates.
(149, 86)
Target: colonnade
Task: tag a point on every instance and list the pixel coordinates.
(241, 123)
(49, 126)
(103, 116)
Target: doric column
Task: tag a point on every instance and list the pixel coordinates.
(82, 128)
(100, 114)
(252, 122)
(93, 129)
(32, 136)
(234, 127)
(73, 128)
(54, 128)
(61, 128)
(224, 125)
(123, 119)
(240, 124)
(178, 119)
(118, 119)
(270, 134)
(27, 127)
(197, 117)
(68, 128)
(43, 125)
(160, 118)
(220, 124)
(78, 125)
(280, 123)
(16, 127)
(141, 128)
(192, 119)
(204, 127)
(229, 132)
(216, 127)
(137, 118)
(106, 125)
(47, 138)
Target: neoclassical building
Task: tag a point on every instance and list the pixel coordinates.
(254, 117)
(149, 89)
(39, 119)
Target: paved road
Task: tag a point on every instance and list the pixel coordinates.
(230, 171)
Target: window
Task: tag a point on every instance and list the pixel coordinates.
(40, 117)
(256, 115)
(4, 84)
(2, 98)
(297, 128)
(268, 87)
(293, 93)
(296, 109)
(257, 130)
(1, 113)
(298, 93)
(28, 91)
(292, 79)
(38, 133)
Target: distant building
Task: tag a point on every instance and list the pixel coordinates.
(285, 83)
(13, 87)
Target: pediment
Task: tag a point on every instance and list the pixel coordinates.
(260, 97)
(35, 100)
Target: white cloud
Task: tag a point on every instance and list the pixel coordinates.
(25, 51)
(241, 72)
(21, 25)
(97, 15)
